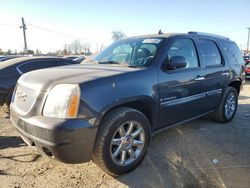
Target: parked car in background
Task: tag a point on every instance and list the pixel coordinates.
(247, 70)
(108, 108)
(76, 58)
(247, 59)
(79, 59)
(71, 57)
(11, 70)
(4, 58)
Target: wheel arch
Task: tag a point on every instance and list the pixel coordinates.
(145, 105)
(236, 84)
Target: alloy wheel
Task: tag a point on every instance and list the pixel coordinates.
(127, 143)
(230, 105)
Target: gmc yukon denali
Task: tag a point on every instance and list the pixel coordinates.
(108, 108)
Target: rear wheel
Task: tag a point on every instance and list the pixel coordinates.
(122, 141)
(228, 106)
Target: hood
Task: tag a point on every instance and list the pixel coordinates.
(45, 79)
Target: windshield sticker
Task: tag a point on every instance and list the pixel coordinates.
(152, 41)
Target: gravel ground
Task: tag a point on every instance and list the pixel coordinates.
(201, 153)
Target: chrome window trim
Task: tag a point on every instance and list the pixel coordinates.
(18, 67)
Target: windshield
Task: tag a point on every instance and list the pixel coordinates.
(130, 52)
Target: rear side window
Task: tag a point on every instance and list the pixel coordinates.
(210, 53)
(233, 53)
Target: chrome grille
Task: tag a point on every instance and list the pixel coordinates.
(24, 98)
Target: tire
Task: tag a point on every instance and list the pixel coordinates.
(106, 153)
(221, 114)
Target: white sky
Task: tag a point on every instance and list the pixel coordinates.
(93, 21)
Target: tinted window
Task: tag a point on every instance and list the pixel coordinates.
(58, 62)
(8, 72)
(210, 53)
(186, 49)
(233, 53)
(40, 64)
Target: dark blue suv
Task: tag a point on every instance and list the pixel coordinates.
(108, 108)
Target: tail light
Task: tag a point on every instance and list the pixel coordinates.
(247, 70)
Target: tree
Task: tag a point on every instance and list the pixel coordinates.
(30, 52)
(1, 51)
(76, 46)
(117, 34)
(86, 47)
(66, 49)
(9, 52)
(38, 52)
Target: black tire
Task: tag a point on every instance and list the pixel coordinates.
(107, 130)
(220, 115)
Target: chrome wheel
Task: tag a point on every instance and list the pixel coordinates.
(127, 143)
(230, 105)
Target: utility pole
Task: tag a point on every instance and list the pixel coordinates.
(24, 36)
(248, 39)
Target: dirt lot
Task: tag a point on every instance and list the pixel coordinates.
(200, 153)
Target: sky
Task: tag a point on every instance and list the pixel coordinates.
(51, 24)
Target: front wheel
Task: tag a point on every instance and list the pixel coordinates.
(122, 141)
(228, 106)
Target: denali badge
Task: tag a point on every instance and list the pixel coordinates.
(21, 95)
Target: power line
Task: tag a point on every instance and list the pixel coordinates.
(233, 30)
(57, 32)
(50, 30)
(3, 24)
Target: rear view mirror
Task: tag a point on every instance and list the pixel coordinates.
(175, 62)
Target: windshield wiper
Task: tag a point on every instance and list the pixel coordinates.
(113, 62)
(117, 63)
(108, 62)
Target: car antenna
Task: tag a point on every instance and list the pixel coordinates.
(160, 32)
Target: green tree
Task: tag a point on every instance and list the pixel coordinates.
(30, 52)
(8, 52)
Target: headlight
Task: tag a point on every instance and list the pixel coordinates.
(62, 101)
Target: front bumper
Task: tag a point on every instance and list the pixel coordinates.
(68, 140)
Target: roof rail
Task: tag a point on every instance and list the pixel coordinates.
(207, 34)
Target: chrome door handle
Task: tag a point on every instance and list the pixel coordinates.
(225, 74)
(199, 78)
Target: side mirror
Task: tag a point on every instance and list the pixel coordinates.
(175, 62)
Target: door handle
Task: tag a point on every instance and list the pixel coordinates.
(198, 78)
(225, 74)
